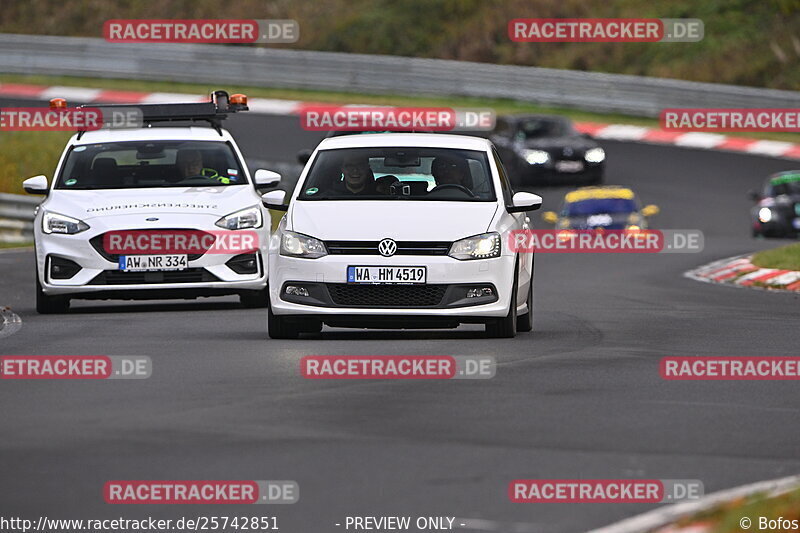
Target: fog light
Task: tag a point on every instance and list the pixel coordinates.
(61, 268)
(244, 264)
(479, 291)
(296, 291)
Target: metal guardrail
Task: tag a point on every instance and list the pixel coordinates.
(268, 67)
(16, 217)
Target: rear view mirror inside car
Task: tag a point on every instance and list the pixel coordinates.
(402, 159)
(150, 151)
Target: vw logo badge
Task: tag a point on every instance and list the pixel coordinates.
(387, 247)
(568, 151)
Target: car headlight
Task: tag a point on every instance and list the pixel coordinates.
(482, 246)
(635, 219)
(55, 223)
(765, 214)
(535, 157)
(299, 245)
(595, 155)
(242, 219)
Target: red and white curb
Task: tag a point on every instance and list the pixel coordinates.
(270, 106)
(740, 272)
(663, 520)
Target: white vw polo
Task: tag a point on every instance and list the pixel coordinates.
(400, 230)
(152, 212)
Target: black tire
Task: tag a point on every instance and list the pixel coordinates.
(525, 322)
(254, 299)
(284, 327)
(280, 327)
(311, 326)
(49, 305)
(506, 327)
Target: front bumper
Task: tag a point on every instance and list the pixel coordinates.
(443, 295)
(548, 174)
(783, 226)
(99, 275)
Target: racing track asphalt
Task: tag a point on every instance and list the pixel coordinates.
(580, 397)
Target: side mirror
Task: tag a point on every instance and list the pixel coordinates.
(754, 195)
(274, 200)
(650, 210)
(304, 155)
(550, 217)
(35, 185)
(266, 178)
(586, 136)
(524, 201)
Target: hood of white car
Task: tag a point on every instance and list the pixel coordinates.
(365, 220)
(180, 200)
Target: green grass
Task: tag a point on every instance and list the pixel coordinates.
(726, 518)
(500, 106)
(746, 42)
(28, 153)
(785, 258)
(15, 244)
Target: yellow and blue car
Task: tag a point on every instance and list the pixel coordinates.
(611, 207)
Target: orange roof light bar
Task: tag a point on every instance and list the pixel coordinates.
(58, 103)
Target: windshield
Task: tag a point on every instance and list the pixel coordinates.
(604, 205)
(543, 127)
(128, 165)
(399, 174)
(789, 185)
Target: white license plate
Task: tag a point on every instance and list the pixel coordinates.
(386, 274)
(569, 166)
(140, 263)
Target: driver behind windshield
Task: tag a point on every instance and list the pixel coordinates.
(450, 171)
(358, 176)
(190, 163)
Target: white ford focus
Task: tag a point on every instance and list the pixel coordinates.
(152, 212)
(400, 230)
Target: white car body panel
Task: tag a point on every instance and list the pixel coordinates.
(344, 220)
(191, 208)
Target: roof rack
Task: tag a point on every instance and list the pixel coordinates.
(217, 109)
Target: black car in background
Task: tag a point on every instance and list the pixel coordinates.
(547, 149)
(777, 209)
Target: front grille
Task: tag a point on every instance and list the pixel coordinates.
(403, 247)
(97, 243)
(120, 277)
(557, 154)
(386, 295)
